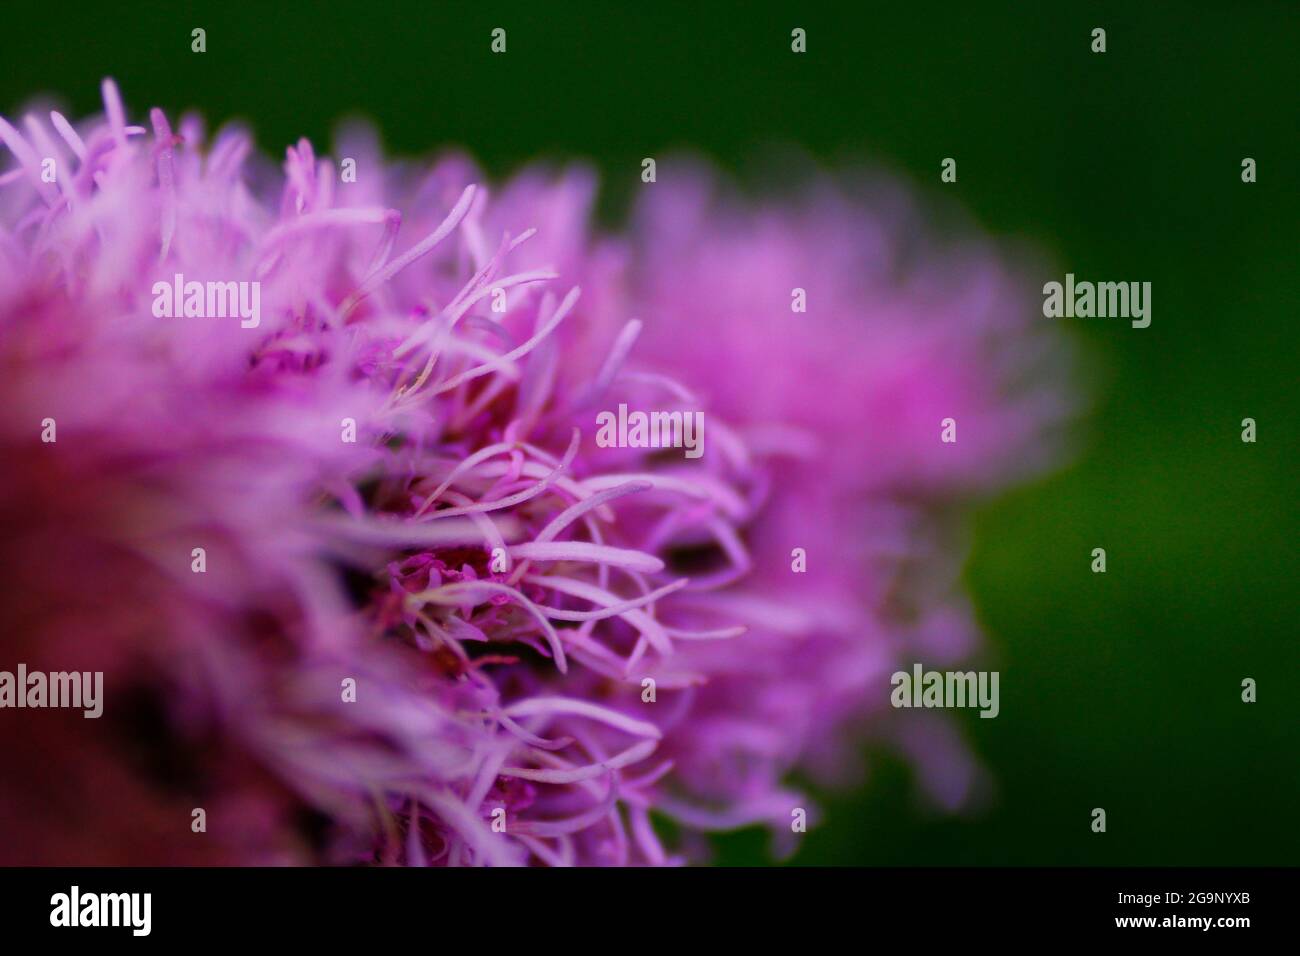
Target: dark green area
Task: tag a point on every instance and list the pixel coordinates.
(1118, 690)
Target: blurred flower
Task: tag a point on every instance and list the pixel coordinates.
(470, 635)
(834, 337)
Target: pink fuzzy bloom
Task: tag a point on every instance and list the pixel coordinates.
(307, 465)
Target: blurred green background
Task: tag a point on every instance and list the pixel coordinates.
(1119, 690)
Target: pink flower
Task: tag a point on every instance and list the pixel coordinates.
(363, 584)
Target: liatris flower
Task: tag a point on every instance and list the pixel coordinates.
(305, 464)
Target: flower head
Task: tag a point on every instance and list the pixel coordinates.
(357, 572)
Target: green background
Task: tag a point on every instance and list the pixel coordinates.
(1119, 690)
